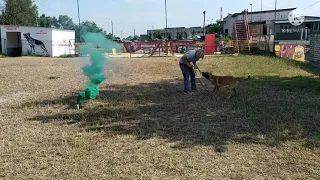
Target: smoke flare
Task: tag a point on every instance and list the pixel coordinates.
(95, 70)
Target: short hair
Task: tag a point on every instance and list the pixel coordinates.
(200, 53)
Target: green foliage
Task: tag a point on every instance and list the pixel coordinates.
(48, 21)
(25, 13)
(20, 12)
(133, 38)
(214, 27)
(158, 35)
(66, 56)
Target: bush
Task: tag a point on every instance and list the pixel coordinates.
(66, 56)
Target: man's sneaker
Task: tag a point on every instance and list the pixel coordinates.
(185, 92)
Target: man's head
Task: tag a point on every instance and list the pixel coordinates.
(200, 54)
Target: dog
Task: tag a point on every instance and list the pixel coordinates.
(34, 43)
(223, 81)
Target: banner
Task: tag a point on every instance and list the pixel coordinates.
(291, 51)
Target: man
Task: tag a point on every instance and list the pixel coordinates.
(187, 69)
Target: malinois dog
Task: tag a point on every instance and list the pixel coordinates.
(223, 81)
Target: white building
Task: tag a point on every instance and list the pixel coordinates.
(256, 16)
(27, 40)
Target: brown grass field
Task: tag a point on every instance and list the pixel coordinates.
(140, 127)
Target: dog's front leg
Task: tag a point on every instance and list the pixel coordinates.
(214, 89)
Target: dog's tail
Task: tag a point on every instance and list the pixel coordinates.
(241, 79)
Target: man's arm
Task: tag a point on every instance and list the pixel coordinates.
(185, 60)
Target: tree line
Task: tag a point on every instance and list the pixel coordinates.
(25, 13)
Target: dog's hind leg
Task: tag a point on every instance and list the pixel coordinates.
(234, 90)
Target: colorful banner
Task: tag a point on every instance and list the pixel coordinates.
(291, 51)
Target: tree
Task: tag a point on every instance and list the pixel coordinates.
(89, 26)
(158, 35)
(20, 12)
(129, 38)
(214, 27)
(133, 38)
(66, 22)
(47, 21)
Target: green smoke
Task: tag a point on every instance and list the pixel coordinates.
(94, 71)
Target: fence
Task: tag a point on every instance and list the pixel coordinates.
(159, 47)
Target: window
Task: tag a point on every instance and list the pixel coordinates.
(309, 25)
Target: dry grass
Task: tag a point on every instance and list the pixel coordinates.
(141, 128)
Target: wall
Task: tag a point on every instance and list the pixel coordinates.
(315, 49)
(228, 25)
(256, 29)
(264, 42)
(42, 37)
(63, 42)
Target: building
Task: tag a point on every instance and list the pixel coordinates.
(144, 37)
(25, 40)
(286, 31)
(257, 17)
(177, 33)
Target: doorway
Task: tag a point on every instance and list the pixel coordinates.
(14, 45)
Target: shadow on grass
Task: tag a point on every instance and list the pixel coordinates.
(267, 110)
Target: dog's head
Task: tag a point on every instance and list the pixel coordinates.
(26, 35)
(206, 75)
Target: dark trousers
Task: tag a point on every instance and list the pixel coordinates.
(186, 72)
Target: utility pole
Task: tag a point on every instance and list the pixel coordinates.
(134, 32)
(261, 12)
(111, 28)
(166, 31)
(204, 22)
(275, 18)
(79, 21)
(274, 24)
(251, 12)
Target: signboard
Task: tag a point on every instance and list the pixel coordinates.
(11, 28)
(41, 32)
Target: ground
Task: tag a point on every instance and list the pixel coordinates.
(142, 127)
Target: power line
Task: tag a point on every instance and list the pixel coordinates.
(61, 13)
(312, 5)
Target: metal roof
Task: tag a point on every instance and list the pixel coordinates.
(267, 11)
(316, 20)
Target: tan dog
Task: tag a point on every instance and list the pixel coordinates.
(223, 81)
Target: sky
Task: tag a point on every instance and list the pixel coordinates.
(142, 15)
